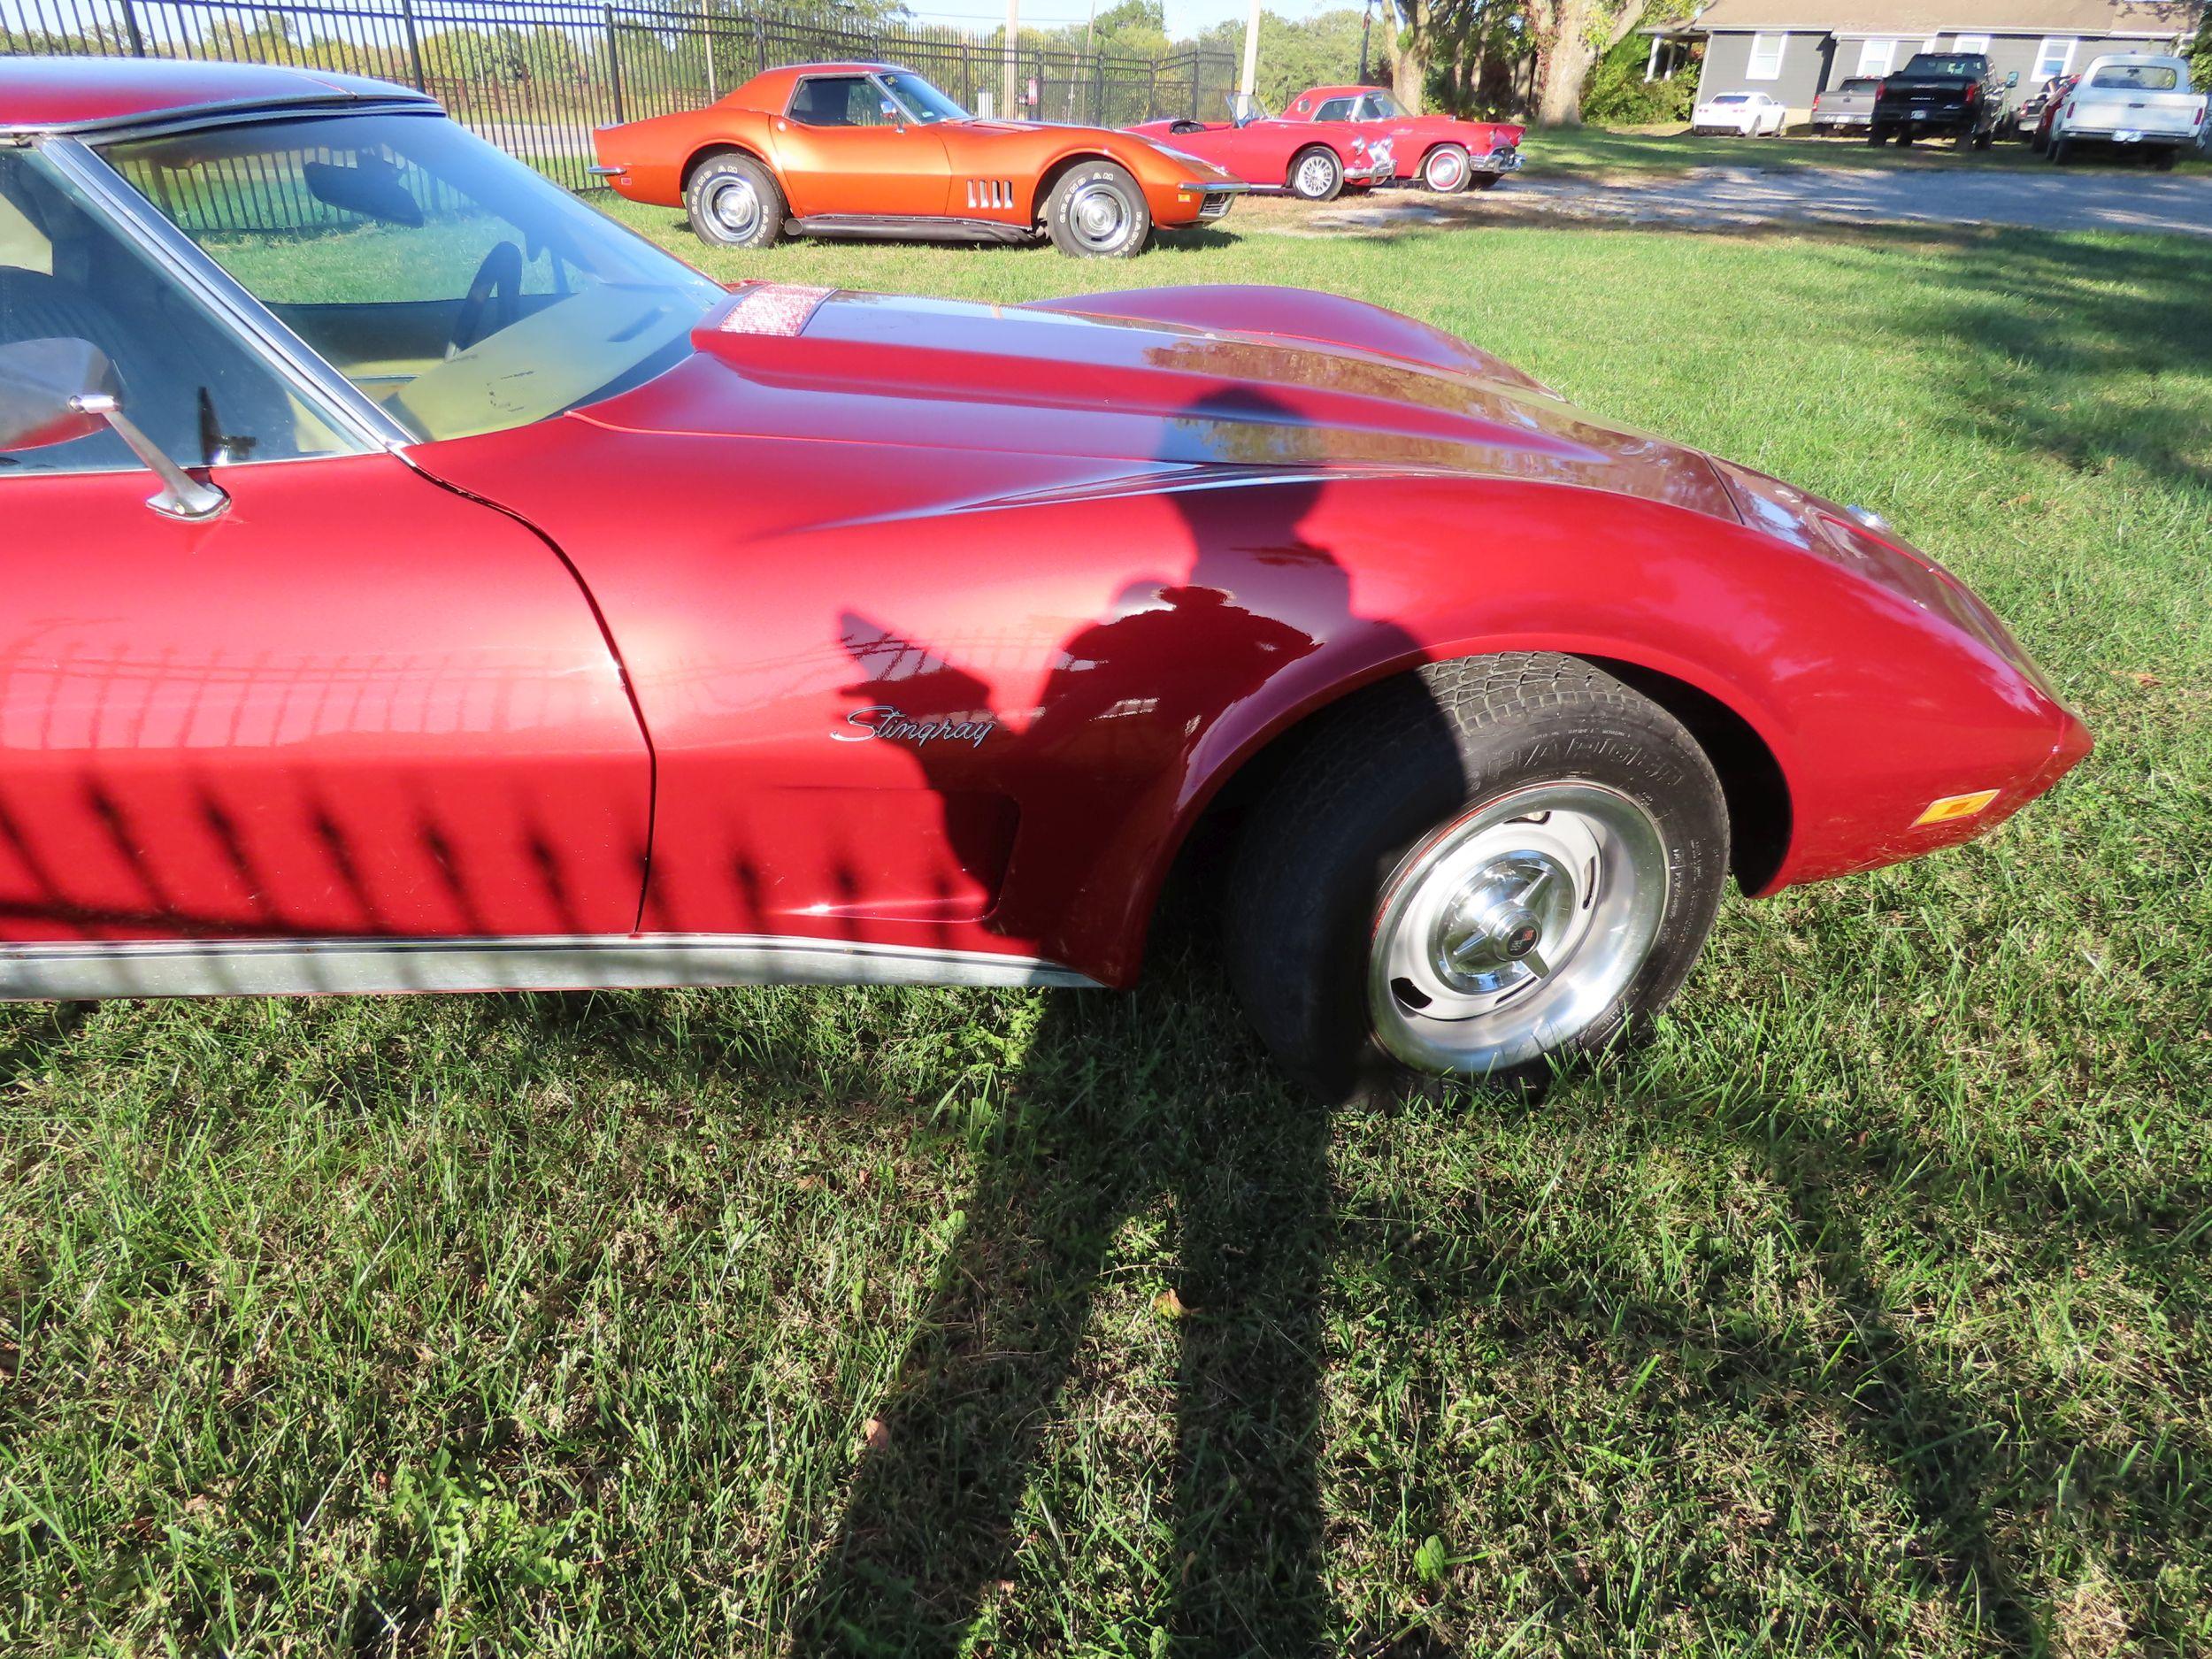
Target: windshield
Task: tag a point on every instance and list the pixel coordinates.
(1867, 84)
(922, 102)
(1383, 107)
(450, 283)
(1971, 64)
(2137, 77)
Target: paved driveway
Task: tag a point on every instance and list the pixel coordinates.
(2044, 198)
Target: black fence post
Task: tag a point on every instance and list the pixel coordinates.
(130, 30)
(414, 44)
(614, 62)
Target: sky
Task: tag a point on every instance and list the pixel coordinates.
(1184, 17)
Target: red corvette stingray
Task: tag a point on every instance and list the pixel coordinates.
(419, 583)
(1331, 137)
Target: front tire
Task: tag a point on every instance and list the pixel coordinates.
(1096, 212)
(1876, 136)
(1447, 169)
(1476, 871)
(734, 202)
(1316, 174)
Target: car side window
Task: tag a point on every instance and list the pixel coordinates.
(1334, 110)
(1370, 110)
(839, 101)
(188, 381)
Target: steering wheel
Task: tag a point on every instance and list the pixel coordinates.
(497, 290)
(1186, 126)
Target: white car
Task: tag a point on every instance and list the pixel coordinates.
(2137, 100)
(1750, 114)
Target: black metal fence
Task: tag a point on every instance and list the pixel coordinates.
(535, 76)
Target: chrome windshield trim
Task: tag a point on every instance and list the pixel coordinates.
(351, 411)
(351, 967)
(149, 123)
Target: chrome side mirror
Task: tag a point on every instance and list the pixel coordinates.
(53, 391)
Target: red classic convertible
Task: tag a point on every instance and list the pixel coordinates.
(1316, 163)
(416, 582)
(1318, 146)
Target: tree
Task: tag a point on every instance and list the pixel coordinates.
(1410, 52)
(1294, 53)
(1571, 35)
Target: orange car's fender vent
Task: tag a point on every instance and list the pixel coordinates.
(997, 192)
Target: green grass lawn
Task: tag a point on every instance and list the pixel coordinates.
(1599, 149)
(1868, 1310)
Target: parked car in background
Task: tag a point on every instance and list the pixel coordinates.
(2022, 120)
(1846, 108)
(1314, 161)
(1444, 152)
(1749, 114)
(2135, 101)
(434, 586)
(1941, 95)
(875, 150)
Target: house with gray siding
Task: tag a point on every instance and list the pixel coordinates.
(1792, 49)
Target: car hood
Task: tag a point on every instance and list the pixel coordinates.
(1145, 397)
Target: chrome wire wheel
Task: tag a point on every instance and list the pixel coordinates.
(1315, 177)
(734, 206)
(1514, 926)
(1098, 215)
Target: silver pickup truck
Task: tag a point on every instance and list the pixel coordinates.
(2135, 100)
(1848, 107)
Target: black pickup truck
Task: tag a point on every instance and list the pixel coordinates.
(1941, 95)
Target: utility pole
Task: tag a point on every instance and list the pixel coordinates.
(1013, 35)
(1251, 61)
(1366, 22)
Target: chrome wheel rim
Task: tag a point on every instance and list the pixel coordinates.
(1313, 176)
(1098, 215)
(1514, 926)
(1447, 169)
(733, 208)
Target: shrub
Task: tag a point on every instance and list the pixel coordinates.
(1617, 94)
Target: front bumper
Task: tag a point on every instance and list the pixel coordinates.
(1376, 169)
(1960, 710)
(1214, 198)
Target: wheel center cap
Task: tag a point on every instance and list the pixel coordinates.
(1492, 935)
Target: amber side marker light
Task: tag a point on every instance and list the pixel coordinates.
(1953, 807)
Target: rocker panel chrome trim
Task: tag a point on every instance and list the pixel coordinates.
(289, 967)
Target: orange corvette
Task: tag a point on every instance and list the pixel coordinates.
(871, 149)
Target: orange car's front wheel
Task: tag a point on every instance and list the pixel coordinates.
(1096, 212)
(735, 202)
